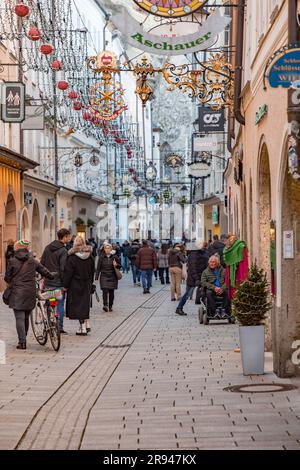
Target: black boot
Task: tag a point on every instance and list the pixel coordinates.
(21, 346)
(179, 311)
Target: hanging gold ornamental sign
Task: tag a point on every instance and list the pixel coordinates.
(106, 95)
(170, 8)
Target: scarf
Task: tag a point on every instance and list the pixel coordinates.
(233, 256)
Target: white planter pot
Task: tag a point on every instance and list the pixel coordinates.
(252, 343)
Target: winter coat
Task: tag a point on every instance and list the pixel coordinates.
(106, 270)
(54, 258)
(217, 247)
(146, 259)
(209, 277)
(163, 260)
(135, 247)
(23, 284)
(10, 252)
(126, 249)
(176, 258)
(197, 262)
(78, 279)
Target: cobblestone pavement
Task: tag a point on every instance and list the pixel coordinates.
(144, 379)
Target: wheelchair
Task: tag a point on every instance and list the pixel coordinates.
(205, 314)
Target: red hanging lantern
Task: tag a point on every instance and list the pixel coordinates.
(129, 155)
(56, 65)
(105, 131)
(22, 10)
(73, 95)
(131, 170)
(87, 116)
(63, 85)
(77, 105)
(47, 49)
(34, 33)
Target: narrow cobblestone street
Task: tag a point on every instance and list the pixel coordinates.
(144, 379)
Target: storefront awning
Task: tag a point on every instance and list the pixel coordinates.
(16, 160)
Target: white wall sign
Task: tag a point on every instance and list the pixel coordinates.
(288, 244)
(204, 38)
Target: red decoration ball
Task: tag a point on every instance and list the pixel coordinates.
(34, 33)
(56, 65)
(22, 10)
(47, 49)
(63, 85)
(73, 95)
(77, 105)
(87, 116)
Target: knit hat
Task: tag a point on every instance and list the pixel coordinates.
(22, 245)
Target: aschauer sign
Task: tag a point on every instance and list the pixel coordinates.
(204, 38)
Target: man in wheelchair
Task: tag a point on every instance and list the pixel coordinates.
(214, 287)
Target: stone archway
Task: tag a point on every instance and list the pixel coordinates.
(10, 222)
(36, 229)
(25, 229)
(265, 211)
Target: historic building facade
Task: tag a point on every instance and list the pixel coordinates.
(263, 198)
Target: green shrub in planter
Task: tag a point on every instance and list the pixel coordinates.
(251, 302)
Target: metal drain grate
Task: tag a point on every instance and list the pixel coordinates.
(260, 388)
(115, 345)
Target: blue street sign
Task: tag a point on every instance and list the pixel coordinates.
(285, 70)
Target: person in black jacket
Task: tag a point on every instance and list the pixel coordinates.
(106, 268)
(217, 247)
(196, 263)
(20, 276)
(54, 258)
(77, 281)
(10, 252)
(136, 273)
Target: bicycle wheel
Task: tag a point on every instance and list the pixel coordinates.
(54, 330)
(38, 325)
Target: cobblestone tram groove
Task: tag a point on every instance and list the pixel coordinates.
(61, 421)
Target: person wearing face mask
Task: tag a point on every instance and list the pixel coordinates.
(108, 263)
(176, 261)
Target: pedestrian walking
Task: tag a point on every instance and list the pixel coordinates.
(125, 256)
(77, 281)
(54, 258)
(146, 261)
(197, 262)
(176, 262)
(21, 278)
(10, 252)
(107, 267)
(163, 264)
(136, 273)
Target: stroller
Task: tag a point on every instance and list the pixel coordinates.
(205, 314)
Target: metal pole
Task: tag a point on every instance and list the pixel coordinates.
(53, 20)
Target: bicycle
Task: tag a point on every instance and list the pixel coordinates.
(44, 319)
